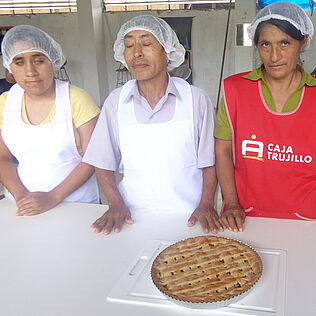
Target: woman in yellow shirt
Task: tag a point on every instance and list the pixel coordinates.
(45, 124)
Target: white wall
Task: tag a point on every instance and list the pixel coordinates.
(208, 30)
(208, 33)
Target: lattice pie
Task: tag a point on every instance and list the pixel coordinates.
(206, 269)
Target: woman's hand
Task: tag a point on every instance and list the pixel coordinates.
(34, 203)
(233, 217)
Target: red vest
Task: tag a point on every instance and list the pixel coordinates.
(274, 153)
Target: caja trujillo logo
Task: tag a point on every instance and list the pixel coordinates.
(253, 149)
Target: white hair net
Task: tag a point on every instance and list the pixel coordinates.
(160, 29)
(284, 11)
(27, 38)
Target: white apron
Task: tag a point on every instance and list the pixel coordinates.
(159, 160)
(46, 153)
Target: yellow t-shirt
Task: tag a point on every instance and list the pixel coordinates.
(83, 109)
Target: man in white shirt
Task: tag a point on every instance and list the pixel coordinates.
(157, 131)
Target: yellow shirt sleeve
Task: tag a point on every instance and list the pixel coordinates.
(83, 107)
(3, 97)
(222, 127)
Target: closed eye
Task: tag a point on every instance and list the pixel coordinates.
(128, 44)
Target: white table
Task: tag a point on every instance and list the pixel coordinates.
(53, 264)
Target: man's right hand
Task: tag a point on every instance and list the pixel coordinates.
(114, 217)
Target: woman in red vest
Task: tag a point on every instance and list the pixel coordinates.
(266, 125)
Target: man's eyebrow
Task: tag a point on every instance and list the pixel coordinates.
(142, 36)
(145, 35)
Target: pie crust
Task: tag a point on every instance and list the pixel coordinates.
(206, 269)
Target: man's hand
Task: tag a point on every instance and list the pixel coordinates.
(114, 217)
(34, 203)
(234, 218)
(208, 218)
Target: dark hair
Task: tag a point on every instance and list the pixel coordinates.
(284, 26)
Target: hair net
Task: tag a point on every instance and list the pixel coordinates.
(284, 11)
(160, 29)
(27, 38)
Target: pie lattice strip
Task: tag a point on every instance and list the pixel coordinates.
(209, 273)
(205, 262)
(204, 259)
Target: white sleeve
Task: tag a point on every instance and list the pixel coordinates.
(204, 123)
(104, 150)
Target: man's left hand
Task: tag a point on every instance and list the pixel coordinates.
(208, 218)
(35, 203)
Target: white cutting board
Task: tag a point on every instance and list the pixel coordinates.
(267, 297)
